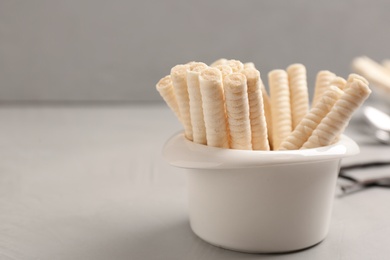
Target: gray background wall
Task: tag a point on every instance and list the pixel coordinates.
(85, 50)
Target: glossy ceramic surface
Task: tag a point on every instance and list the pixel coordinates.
(257, 201)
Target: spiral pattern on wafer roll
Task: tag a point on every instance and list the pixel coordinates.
(165, 88)
(179, 81)
(299, 96)
(353, 76)
(339, 82)
(280, 106)
(267, 112)
(196, 110)
(307, 125)
(225, 70)
(213, 102)
(237, 109)
(337, 119)
(323, 79)
(256, 110)
(236, 65)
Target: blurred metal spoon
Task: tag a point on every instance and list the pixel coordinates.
(379, 122)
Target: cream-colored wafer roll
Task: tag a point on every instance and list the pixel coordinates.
(280, 106)
(323, 79)
(225, 70)
(267, 112)
(374, 72)
(236, 65)
(237, 109)
(196, 111)
(299, 96)
(179, 81)
(307, 125)
(339, 82)
(165, 88)
(210, 82)
(218, 62)
(256, 110)
(386, 65)
(337, 119)
(353, 76)
(249, 65)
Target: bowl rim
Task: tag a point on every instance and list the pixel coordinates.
(180, 152)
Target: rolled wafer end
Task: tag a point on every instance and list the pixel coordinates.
(164, 83)
(296, 67)
(165, 88)
(249, 65)
(212, 75)
(275, 74)
(339, 82)
(234, 81)
(236, 65)
(354, 76)
(179, 72)
(196, 66)
(225, 70)
(361, 89)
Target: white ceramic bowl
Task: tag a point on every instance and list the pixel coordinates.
(259, 201)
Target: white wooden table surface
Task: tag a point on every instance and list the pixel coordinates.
(90, 183)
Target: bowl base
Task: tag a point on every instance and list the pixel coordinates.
(260, 251)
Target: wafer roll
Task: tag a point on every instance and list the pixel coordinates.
(386, 65)
(249, 65)
(267, 112)
(353, 76)
(218, 62)
(374, 72)
(179, 81)
(196, 111)
(324, 77)
(337, 119)
(307, 125)
(225, 70)
(210, 82)
(339, 82)
(237, 108)
(299, 96)
(256, 110)
(236, 65)
(280, 106)
(165, 88)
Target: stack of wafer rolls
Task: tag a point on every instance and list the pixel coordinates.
(226, 104)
